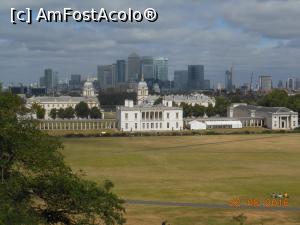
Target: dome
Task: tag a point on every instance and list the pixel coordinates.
(142, 84)
(88, 84)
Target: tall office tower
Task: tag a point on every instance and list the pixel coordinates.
(298, 83)
(180, 80)
(120, 72)
(280, 84)
(147, 67)
(206, 84)
(291, 84)
(105, 76)
(48, 78)
(265, 83)
(42, 82)
(228, 80)
(195, 77)
(161, 68)
(75, 81)
(134, 67)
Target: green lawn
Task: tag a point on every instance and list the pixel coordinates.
(196, 169)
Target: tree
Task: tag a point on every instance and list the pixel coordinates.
(276, 98)
(61, 113)
(82, 110)
(198, 110)
(221, 106)
(37, 187)
(53, 113)
(69, 113)
(38, 110)
(158, 101)
(95, 113)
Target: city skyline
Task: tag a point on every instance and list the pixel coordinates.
(215, 34)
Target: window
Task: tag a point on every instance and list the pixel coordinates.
(294, 123)
(126, 116)
(143, 125)
(136, 126)
(126, 126)
(152, 125)
(176, 124)
(135, 115)
(143, 115)
(156, 125)
(147, 125)
(168, 115)
(160, 125)
(168, 125)
(177, 115)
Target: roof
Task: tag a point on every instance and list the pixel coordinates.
(265, 109)
(147, 107)
(203, 119)
(46, 99)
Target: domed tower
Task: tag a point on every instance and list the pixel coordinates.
(142, 91)
(88, 89)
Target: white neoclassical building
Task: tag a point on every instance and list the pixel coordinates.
(275, 118)
(49, 103)
(135, 118)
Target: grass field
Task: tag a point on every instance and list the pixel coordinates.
(194, 169)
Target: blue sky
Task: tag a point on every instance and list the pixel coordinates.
(259, 36)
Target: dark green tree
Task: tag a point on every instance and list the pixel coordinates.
(61, 113)
(53, 113)
(221, 106)
(95, 113)
(69, 113)
(38, 110)
(82, 110)
(198, 110)
(158, 101)
(276, 98)
(37, 187)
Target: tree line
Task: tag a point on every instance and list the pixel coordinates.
(81, 110)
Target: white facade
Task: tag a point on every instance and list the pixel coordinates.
(63, 102)
(197, 125)
(275, 118)
(88, 89)
(212, 123)
(135, 118)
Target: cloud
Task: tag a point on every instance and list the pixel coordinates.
(255, 36)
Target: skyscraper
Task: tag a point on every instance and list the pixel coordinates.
(228, 80)
(291, 84)
(120, 71)
(280, 84)
(206, 84)
(161, 68)
(105, 76)
(180, 79)
(134, 67)
(265, 83)
(147, 67)
(195, 77)
(298, 83)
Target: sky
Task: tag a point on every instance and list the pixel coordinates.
(253, 36)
